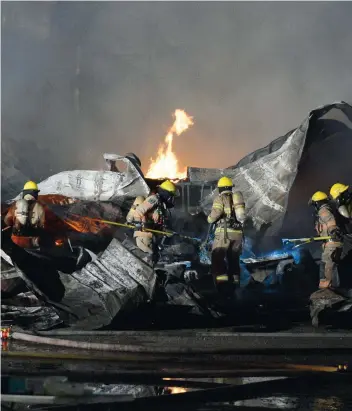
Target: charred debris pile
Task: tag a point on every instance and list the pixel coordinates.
(95, 277)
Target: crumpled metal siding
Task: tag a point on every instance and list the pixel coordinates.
(265, 183)
(97, 292)
(97, 185)
(94, 295)
(266, 176)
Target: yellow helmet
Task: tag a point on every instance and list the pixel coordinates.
(225, 182)
(30, 185)
(318, 196)
(337, 189)
(167, 185)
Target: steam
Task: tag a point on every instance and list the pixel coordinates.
(83, 78)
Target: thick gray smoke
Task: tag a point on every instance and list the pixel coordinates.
(83, 78)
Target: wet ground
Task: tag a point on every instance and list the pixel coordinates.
(303, 354)
(309, 357)
(328, 397)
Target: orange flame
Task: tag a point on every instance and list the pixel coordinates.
(166, 163)
(85, 224)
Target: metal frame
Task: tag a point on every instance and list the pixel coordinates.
(186, 186)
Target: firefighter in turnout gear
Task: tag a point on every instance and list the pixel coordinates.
(27, 218)
(326, 225)
(342, 198)
(142, 240)
(152, 213)
(228, 214)
(341, 195)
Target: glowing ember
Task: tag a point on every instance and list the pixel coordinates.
(177, 390)
(85, 224)
(166, 163)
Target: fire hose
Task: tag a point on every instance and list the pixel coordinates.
(133, 226)
(201, 342)
(304, 240)
(203, 243)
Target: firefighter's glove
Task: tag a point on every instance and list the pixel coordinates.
(138, 226)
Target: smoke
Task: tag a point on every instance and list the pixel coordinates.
(83, 78)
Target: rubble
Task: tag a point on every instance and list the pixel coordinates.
(11, 281)
(88, 292)
(98, 185)
(327, 304)
(90, 297)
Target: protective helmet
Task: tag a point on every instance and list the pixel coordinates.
(337, 189)
(30, 186)
(167, 185)
(225, 182)
(319, 196)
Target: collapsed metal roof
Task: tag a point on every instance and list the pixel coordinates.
(92, 185)
(283, 175)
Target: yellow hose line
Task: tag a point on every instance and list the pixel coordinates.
(150, 230)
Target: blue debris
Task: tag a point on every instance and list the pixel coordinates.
(248, 256)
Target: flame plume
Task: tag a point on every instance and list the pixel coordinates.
(166, 163)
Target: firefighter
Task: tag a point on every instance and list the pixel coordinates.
(138, 235)
(228, 214)
(326, 225)
(152, 213)
(27, 218)
(342, 198)
(137, 202)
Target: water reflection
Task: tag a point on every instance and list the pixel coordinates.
(328, 396)
(176, 390)
(342, 401)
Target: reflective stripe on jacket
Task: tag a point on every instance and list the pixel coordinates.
(150, 211)
(326, 223)
(26, 217)
(226, 209)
